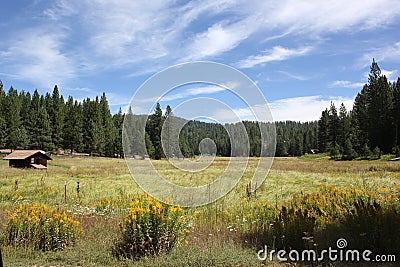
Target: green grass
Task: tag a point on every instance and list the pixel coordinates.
(211, 243)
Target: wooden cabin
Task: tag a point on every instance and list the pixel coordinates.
(36, 159)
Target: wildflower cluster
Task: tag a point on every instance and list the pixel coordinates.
(150, 228)
(330, 205)
(358, 214)
(110, 205)
(40, 227)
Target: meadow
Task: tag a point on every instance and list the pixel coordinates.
(228, 232)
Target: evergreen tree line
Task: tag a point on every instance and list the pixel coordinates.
(50, 123)
(371, 128)
(168, 136)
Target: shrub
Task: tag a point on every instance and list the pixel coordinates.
(150, 228)
(291, 227)
(374, 227)
(37, 226)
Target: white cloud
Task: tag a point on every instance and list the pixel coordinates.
(389, 53)
(295, 76)
(105, 35)
(307, 108)
(38, 57)
(391, 75)
(217, 40)
(319, 17)
(59, 10)
(346, 84)
(194, 92)
(277, 53)
(131, 32)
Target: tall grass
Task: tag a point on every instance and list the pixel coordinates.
(219, 229)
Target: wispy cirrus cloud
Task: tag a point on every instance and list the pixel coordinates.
(122, 32)
(277, 53)
(388, 52)
(346, 84)
(194, 92)
(40, 58)
(295, 76)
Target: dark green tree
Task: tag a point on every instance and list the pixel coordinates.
(93, 132)
(118, 120)
(359, 119)
(3, 125)
(153, 128)
(169, 138)
(344, 125)
(16, 134)
(149, 147)
(323, 132)
(334, 151)
(366, 151)
(44, 140)
(108, 127)
(73, 131)
(57, 115)
(334, 125)
(379, 104)
(396, 112)
(348, 152)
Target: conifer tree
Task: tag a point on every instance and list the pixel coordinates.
(323, 132)
(153, 128)
(56, 113)
(348, 152)
(334, 125)
(108, 127)
(118, 120)
(72, 133)
(396, 112)
(3, 125)
(17, 137)
(359, 119)
(44, 140)
(379, 107)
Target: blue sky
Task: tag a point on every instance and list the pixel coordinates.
(301, 54)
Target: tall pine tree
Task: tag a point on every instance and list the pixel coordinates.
(153, 128)
(56, 113)
(108, 127)
(72, 133)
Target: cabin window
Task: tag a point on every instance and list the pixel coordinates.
(32, 160)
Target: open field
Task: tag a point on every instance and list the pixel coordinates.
(215, 239)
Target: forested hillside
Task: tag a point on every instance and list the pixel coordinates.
(50, 123)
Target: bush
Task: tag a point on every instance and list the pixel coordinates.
(150, 228)
(37, 226)
(291, 228)
(377, 153)
(373, 227)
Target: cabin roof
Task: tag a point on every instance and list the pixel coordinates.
(24, 154)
